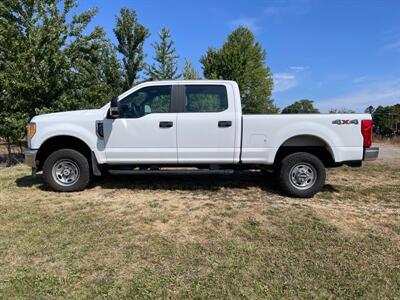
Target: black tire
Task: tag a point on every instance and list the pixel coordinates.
(301, 175)
(72, 160)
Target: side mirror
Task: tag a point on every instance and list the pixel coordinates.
(114, 110)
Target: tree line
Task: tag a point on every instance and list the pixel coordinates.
(386, 119)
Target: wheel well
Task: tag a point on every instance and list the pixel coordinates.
(62, 142)
(306, 143)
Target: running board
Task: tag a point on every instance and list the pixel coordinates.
(174, 172)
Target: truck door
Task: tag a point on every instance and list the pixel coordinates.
(145, 131)
(206, 127)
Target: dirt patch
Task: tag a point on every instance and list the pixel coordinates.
(389, 154)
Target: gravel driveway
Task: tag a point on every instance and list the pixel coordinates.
(389, 154)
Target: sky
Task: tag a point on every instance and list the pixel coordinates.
(339, 53)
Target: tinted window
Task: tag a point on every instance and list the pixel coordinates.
(206, 98)
(152, 99)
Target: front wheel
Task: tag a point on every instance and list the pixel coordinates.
(301, 175)
(66, 170)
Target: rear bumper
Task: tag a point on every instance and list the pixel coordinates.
(371, 153)
(30, 157)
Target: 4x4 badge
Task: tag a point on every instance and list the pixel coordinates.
(345, 122)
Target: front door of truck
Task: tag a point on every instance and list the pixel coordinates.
(145, 131)
(206, 127)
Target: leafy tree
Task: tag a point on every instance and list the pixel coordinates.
(131, 36)
(166, 65)
(386, 116)
(341, 111)
(369, 110)
(189, 72)
(94, 75)
(242, 59)
(303, 106)
(111, 69)
(48, 63)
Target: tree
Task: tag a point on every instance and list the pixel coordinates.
(111, 69)
(166, 65)
(131, 36)
(303, 106)
(189, 72)
(369, 110)
(386, 116)
(94, 75)
(242, 59)
(341, 111)
(47, 63)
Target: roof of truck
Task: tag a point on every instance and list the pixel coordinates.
(187, 81)
(176, 82)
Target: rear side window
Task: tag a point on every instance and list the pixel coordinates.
(206, 98)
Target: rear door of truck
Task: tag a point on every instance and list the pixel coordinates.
(207, 127)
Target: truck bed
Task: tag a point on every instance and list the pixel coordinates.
(339, 133)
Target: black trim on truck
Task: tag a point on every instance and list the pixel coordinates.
(177, 96)
(95, 166)
(241, 139)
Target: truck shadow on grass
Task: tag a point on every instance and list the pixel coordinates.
(192, 182)
(178, 181)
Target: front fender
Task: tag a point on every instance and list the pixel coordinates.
(86, 134)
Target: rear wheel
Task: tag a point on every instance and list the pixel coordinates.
(66, 170)
(301, 175)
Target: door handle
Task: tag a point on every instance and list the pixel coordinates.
(166, 124)
(224, 123)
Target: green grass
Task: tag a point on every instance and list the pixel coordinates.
(201, 237)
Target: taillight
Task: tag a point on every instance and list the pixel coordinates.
(366, 131)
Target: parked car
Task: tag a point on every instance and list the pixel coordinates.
(196, 123)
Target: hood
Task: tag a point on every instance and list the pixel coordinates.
(69, 115)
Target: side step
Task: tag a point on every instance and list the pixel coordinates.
(169, 171)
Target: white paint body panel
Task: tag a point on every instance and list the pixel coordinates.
(141, 140)
(196, 137)
(264, 134)
(200, 140)
(80, 124)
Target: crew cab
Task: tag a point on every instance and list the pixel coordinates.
(194, 123)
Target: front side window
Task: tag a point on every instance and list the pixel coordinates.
(206, 98)
(152, 99)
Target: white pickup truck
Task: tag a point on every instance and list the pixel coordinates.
(195, 123)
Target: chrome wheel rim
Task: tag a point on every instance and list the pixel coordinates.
(65, 172)
(302, 176)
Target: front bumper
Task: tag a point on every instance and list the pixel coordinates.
(371, 153)
(30, 157)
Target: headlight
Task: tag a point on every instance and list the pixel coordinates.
(31, 128)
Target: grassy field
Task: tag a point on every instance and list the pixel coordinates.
(201, 236)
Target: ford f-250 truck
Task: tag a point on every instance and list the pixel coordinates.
(199, 124)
